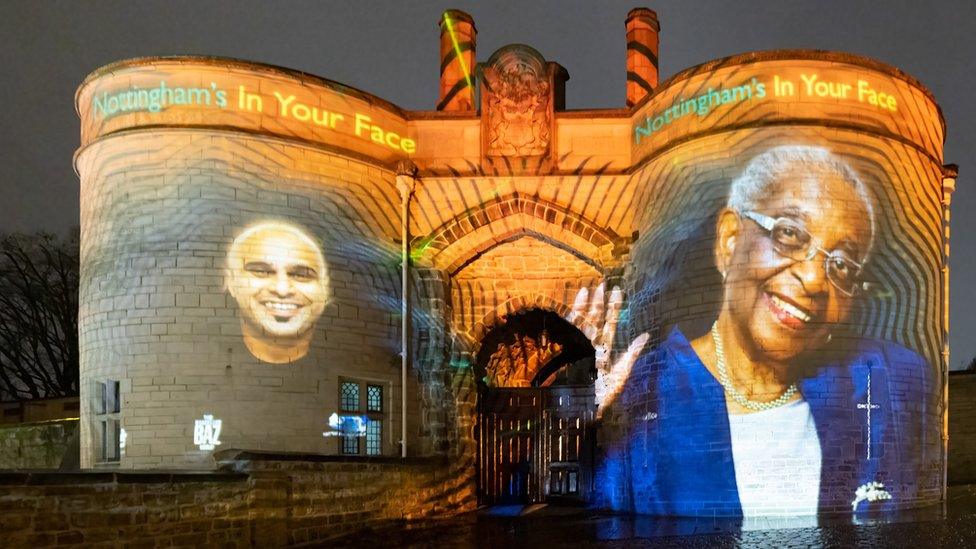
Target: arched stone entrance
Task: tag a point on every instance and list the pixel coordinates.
(536, 409)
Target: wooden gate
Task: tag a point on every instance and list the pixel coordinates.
(535, 444)
(568, 424)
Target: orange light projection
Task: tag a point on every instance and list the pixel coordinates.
(763, 93)
(207, 94)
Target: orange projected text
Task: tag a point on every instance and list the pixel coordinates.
(363, 127)
(290, 108)
(811, 85)
(377, 134)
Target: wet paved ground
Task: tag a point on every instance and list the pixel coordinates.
(542, 526)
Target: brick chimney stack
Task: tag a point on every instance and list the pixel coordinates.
(457, 80)
(643, 33)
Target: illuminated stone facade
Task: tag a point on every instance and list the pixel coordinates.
(512, 205)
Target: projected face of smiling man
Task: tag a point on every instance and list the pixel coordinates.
(277, 274)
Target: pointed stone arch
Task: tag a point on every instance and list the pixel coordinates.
(462, 239)
(523, 303)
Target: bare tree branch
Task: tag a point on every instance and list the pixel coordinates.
(38, 316)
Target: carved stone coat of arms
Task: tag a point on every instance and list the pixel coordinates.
(517, 103)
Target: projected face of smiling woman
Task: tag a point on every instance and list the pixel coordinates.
(780, 306)
(278, 276)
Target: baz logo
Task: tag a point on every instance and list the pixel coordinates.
(206, 432)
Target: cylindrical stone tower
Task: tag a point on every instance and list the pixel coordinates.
(240, 282)
(792, 220)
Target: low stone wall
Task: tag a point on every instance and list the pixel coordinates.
(47, 445)
(256, 500)
(962, 428)
(39, 509)
(35, 411)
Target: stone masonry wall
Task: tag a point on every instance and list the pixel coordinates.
(47, 409)
(257, 501)
(159, 212)
(47, 445)
(514, 276)
(675, 287)
(962, 428)
(112, 509)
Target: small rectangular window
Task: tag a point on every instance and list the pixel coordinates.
(374, 437)
(361, 403)
(100, 398)
(110, 440)
(374, 398)
(349, 396)
(108, 426)
(112, 404)
(350, 444)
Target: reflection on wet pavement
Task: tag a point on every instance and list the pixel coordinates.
(548, 526)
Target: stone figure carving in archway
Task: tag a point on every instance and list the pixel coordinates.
(516, 364)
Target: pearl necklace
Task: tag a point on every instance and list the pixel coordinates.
(723, 377)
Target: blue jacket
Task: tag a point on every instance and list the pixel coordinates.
(679, 452)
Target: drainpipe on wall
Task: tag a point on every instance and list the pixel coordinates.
(949, 174)
(406, 178)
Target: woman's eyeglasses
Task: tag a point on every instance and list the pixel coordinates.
(791, 240)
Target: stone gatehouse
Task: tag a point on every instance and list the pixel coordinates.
(273, 261)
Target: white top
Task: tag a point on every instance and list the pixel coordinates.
(777, 461)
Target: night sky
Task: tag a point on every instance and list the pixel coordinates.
(390, 49)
